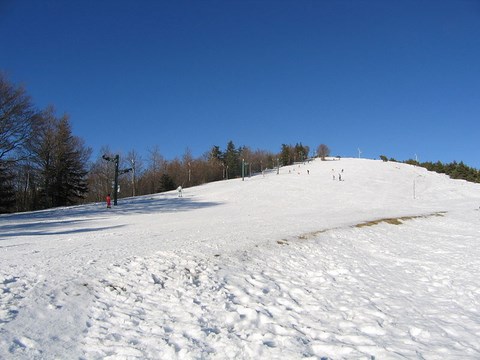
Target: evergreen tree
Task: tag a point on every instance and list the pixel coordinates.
(439, 167)
(60, 160)
(454, 170)
(300, 152)
(166, 183)
(286, 155)
(71, 157)
(409, 161)
(215, 154)
(232, 161)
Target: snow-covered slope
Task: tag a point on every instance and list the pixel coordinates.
(273, 267)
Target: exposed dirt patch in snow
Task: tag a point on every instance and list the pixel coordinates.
(398, 220)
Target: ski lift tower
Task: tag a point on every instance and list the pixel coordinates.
(116, 160)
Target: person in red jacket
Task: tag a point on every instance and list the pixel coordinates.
(109, 205)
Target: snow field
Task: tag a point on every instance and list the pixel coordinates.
(378, 296)
(270, 268)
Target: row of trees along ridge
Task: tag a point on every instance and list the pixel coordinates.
(43, 165)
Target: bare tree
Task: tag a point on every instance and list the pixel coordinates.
(190, 167)
(323, 151)
(175, 170)
(135, 162)
(154, 171)
(100, 177)
(261, 160)
(16, 118)
(213, 168)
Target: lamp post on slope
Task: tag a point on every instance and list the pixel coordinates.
(243, 169)
(133, 176)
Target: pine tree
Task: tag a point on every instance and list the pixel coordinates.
(70, 165)
(60, 162)
(215, 153)
(166, 183)
(286, 155)
(300, 152)
(232, 161)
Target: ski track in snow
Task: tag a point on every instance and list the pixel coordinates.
(289, 290)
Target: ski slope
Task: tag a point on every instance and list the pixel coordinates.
(384, 264)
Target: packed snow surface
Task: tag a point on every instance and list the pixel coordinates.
(384, 264)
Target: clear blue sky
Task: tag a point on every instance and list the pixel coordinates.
(394, 78)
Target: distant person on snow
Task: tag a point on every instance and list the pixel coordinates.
(109, 203)
(180, 190)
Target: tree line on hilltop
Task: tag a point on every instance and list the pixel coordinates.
(455, 170)
(44, 165)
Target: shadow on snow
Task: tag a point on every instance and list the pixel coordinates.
(45, 222)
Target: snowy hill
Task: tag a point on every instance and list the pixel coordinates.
(384, 264)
